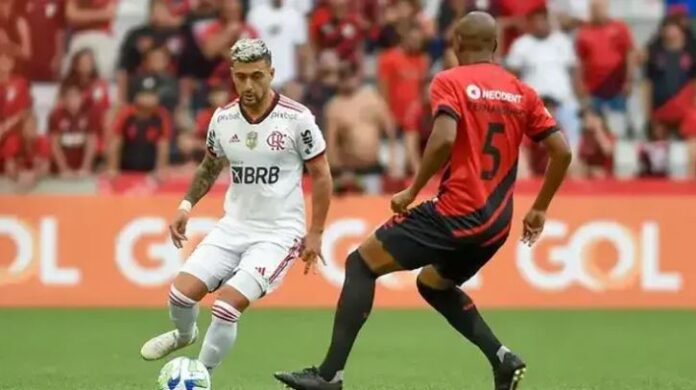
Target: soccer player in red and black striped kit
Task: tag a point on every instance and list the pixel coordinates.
(481, 114)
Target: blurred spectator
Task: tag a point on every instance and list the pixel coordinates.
(27, 155)
(14, 30)
(90, 23)
(605, 49)
(179, 9)
(83, 72)
(324, 85)
(333, 26)
(303, 7)
(356, 118)
(535, 158)
(400, 18)
(417, 125)
(570, 14)
(157, 68)
(688, 132)
(218, 96)
(46, 19)
(513, 19)
(140, 135)
(596, 150)
(15, 97)
(222, 33)
(285, 32)
(653, 154)
(73, 130)
(670, 72)
(401, 71)
(160, 31)
(194, 66)
(545, 59)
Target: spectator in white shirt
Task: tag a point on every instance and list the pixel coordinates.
(304, 7)
(546, 60)
(284, 30)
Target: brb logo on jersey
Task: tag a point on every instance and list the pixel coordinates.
(255, 175)
(276, 140)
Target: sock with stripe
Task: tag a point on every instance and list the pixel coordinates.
(459, 310)
(183, 311)
(221, 334)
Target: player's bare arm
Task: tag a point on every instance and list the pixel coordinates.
(322, 185)
(559, 160)
(204, 178)
(434, 157)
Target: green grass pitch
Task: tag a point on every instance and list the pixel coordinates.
(97, 349)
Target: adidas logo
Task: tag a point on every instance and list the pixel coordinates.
(234, 139)
(261, 270)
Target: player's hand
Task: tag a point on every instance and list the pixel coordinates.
(532, 226)
(312, 251)
(401, 201)
(177, 229)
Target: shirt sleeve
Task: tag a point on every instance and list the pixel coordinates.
(443, 98)
(309, 140)
(212, 143)
(541, 123)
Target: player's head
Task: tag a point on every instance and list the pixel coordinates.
(71, 97)
(158, 59)
(252, 70)
(599, 10)
(539, 23)
(159, 13)
(475, 38)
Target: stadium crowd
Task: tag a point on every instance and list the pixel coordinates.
(362, 66)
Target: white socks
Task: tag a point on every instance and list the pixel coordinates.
(221, 334)
(183, 311)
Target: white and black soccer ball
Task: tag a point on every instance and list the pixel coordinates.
(183, 373)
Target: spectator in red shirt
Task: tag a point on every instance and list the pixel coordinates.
(333, 26)
(141, 134)
(596, 149)
(73, 132)
(159, 31)
(27, 156)
(605, 50)
(46, 19)
(399, 18)
(83, 72)
(15, 98)
(220, 35)
(418, 124)
(90, 22)
(15, 31)
(401, 71)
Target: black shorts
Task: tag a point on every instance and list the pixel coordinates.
(421, 238)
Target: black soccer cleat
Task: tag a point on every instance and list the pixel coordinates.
(307, 379)
(509, 373)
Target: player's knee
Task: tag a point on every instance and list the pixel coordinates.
(190, 286)
(357, 267)
(429, 279)
(242, 289)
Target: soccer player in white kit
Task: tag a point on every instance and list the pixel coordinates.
(267, 140)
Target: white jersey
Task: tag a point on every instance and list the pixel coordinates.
(266, 160)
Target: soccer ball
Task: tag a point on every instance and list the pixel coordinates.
(183, 373)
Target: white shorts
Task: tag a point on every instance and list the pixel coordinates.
(265, 257)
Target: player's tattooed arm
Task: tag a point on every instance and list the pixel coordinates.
(206, 174)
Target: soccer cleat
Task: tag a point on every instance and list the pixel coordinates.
(160, 346)
(510, 372)
(307, 379)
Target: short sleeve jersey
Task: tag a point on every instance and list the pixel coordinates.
(493, 110)
(266, 159)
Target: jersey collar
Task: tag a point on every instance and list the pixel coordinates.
(263, 116)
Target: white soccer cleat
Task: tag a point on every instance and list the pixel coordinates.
(160, 346)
